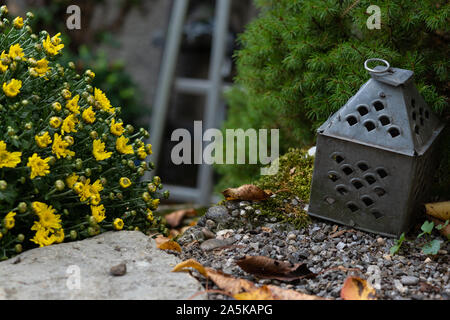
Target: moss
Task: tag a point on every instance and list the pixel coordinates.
(292, 180)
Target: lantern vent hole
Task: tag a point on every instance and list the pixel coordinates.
(357, 184)
(369, 125)
(338, 158)
(414, 116)
(352, 120)
(384, 120)
(421, 111)
(367, 201)
(427, 114)
(382, 173)
(370, 179)
(413, 103)
(422, 122)
(342, 190)
(378, 105)
(363, 110)
(377, 214)
(363, 166)
(379, 191)
(394, 132)
(416, 129)
(352, 206)
(347, 170)
(333, 176)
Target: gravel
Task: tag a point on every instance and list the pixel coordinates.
(331, 250)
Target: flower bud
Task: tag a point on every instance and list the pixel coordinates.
(78, 164)
(129, 128)
(73, 235)
(52, 160)
(88, 172)
(93, 134)
(60, 185)
(22, 207)
(20, 237)
(3, 185)
(18, 248)
(66, 94)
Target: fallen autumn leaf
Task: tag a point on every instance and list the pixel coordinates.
(267, 268)
(247, 192)
(355, 288)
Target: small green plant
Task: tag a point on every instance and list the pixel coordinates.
(398, 243)
(433, 246)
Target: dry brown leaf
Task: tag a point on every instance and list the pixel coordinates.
(247, 192)
(262, 293)
(169, 245)
(267, 268)
(242, 289)
(357, 289)
(439, 210)
(174, 219)
(266, 229)
(229, 283)
(191, 263)
(340, 233)
(272, 292)
(287, 294)
(161, 239)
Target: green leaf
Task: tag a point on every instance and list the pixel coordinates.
(427, 227)
(432, 247)
(439, 227)
(394, 249)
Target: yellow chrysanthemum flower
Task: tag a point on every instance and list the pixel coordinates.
(89, 115)
(18, 23)
(42, 236)
(155, 203)
(125, 182)
(59, 235)
(41, 67)
(16, 51)
(72, 104)
(39, 166)
(99, 152)
(12, 88)
(69, 124)
(9, 220)
(116, 128)
(118, 224)
(122, 147)
(102, 102)
(86, 190)
(47, 216)
(141, 153)
(44, 140)
(8, 159)
(71, 180)
(98, 212)
(59, 147)
(53, 46)
(95, 199)
(150, 216)
(55, 122)
(4, 56)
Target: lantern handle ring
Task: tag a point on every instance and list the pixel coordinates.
(378, 60)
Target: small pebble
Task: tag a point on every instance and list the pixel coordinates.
(118, 270)
(381, 241)
(409, 280)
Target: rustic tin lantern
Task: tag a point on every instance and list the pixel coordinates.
(375, 157)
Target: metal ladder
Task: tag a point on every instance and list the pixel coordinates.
(212, 88)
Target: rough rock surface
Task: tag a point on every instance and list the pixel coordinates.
(50, 272)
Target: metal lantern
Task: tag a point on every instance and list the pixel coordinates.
(375, 157)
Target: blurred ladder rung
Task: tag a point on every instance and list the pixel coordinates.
(213, 88)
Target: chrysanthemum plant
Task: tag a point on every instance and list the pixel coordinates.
(69, 167)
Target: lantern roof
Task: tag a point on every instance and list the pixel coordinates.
(388, 113)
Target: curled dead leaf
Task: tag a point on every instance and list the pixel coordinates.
(267, 268)
(247, 192)
(174, 219)
(439, 210)
(169, 245)
(191, 263)
(355, 288)
(288, 294)
(262, 293)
